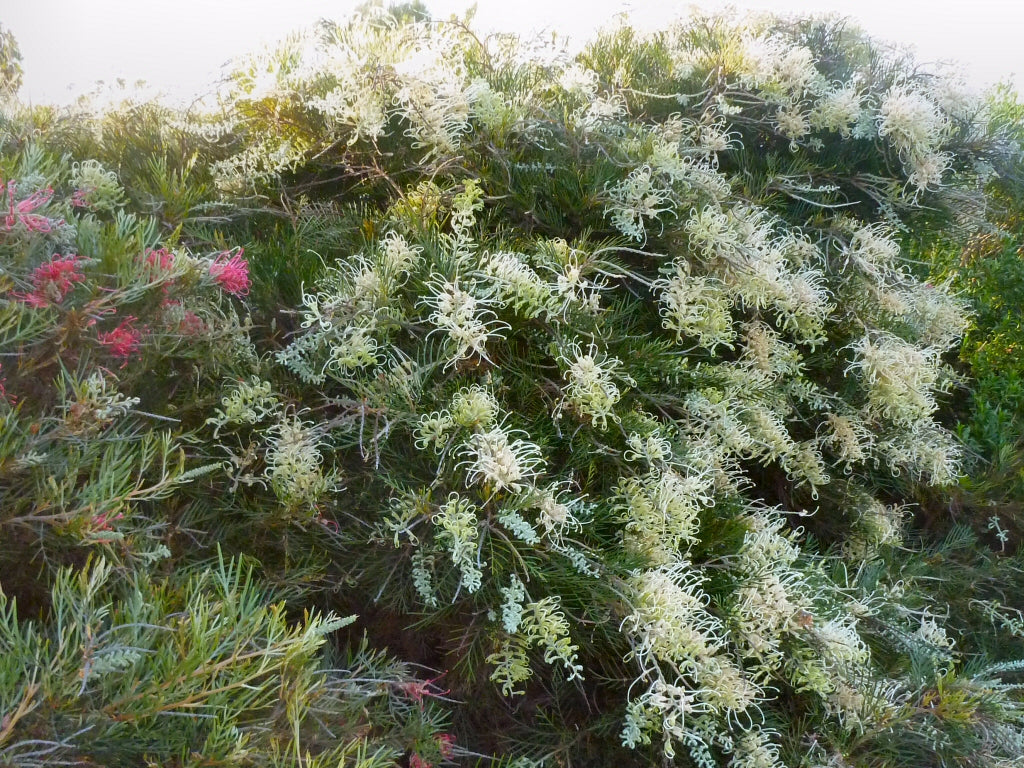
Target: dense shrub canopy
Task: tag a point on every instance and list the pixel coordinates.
(604, 385)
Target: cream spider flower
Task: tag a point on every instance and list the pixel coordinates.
(911, 121)
(517, 285)
(754, 750)
(294, 463)
(463, 317)
(474, 407)
(458, 526)
(638, 197)
(591, 388)
(497, 461)
(900, 378)
(696, 307)
(670, 621)
(838, 110)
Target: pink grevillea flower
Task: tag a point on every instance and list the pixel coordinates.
(231, 272)
(122, 342)
(446, 745)
(159, 259)
(79, 199)
(415, 761)
(52, 281)
(418, 689)
(22, 211)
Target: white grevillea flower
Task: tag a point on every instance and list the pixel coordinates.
(293, 463)
(933, 635)
(792, 123)
(433, 430)
(488, 106)
(696, 307)
(463, 317)
(781, 70)
(670, 620)
(767, 354)
(654, 449)
(911, 121)
(661, 513)
(354, 348)
(848, 438)
(497, 461)
(764, 610)
(591, 388)
(666, 708)
(754, 750)
(840, 643)
(636, 198)
(900, 377)
(925, 450)
(838, 110)
(712, 233)
(458, 524)
(518, 286)
(927, 168)
(397, 257)
(474, 407)
(874, 251)
(248, 402)
(578, 81)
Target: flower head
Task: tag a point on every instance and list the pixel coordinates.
(53, 281)
(124, 341)
(21, 212)
(231, 272)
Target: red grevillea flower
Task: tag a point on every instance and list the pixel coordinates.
(446, 745)
(231, 272)
(159, 259)
(122, 342)
(418, 689)
(52, 281)
(22, 212)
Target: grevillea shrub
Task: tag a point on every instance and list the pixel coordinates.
(599, 384)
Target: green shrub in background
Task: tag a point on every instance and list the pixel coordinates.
(598, 384)
(989, 272)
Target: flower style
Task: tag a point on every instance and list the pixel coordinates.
(231, 272)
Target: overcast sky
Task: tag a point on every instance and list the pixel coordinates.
(179, 46)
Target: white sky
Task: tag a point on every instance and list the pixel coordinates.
(178, 46)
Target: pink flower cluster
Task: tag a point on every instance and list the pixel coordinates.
(231, 272)
(22, 212)
(122, 342)
(52, 281)
(159, 259)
